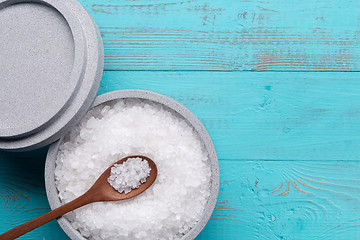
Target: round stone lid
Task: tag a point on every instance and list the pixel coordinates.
(51, 63)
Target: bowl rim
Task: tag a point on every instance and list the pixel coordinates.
(191, 118)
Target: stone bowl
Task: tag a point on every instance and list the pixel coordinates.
(52, 192)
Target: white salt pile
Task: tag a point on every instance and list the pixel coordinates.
(112, 131)
(129, 175)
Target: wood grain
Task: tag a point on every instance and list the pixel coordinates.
(323, 205)
(229, 35)
(321, 202)
(22, 194)
(288, 141)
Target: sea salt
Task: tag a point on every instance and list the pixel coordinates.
(171, 206)
(129, 175)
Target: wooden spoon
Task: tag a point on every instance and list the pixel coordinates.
(101, 191)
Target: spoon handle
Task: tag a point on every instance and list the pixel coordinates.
(47, 217)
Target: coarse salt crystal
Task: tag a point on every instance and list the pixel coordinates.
(129, 175)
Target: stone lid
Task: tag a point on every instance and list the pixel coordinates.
(51, 63)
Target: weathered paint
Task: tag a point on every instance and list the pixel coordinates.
(247, 207)
(288, 142)
(22, 194)
(312, 210)
(229, 35)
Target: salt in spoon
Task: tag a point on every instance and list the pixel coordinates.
(101, 191)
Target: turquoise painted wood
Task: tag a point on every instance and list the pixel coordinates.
(305, 35)
(288, 139)
(264, 115)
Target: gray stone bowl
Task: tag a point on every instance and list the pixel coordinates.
(52, 192)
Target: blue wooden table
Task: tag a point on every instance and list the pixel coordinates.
(277, 85)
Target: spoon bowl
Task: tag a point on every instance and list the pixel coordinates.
(101, 191)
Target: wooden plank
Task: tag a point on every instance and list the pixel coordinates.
(22, 194)
(257, 199)
(264, 115)
(229, 35)
(287, 200)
